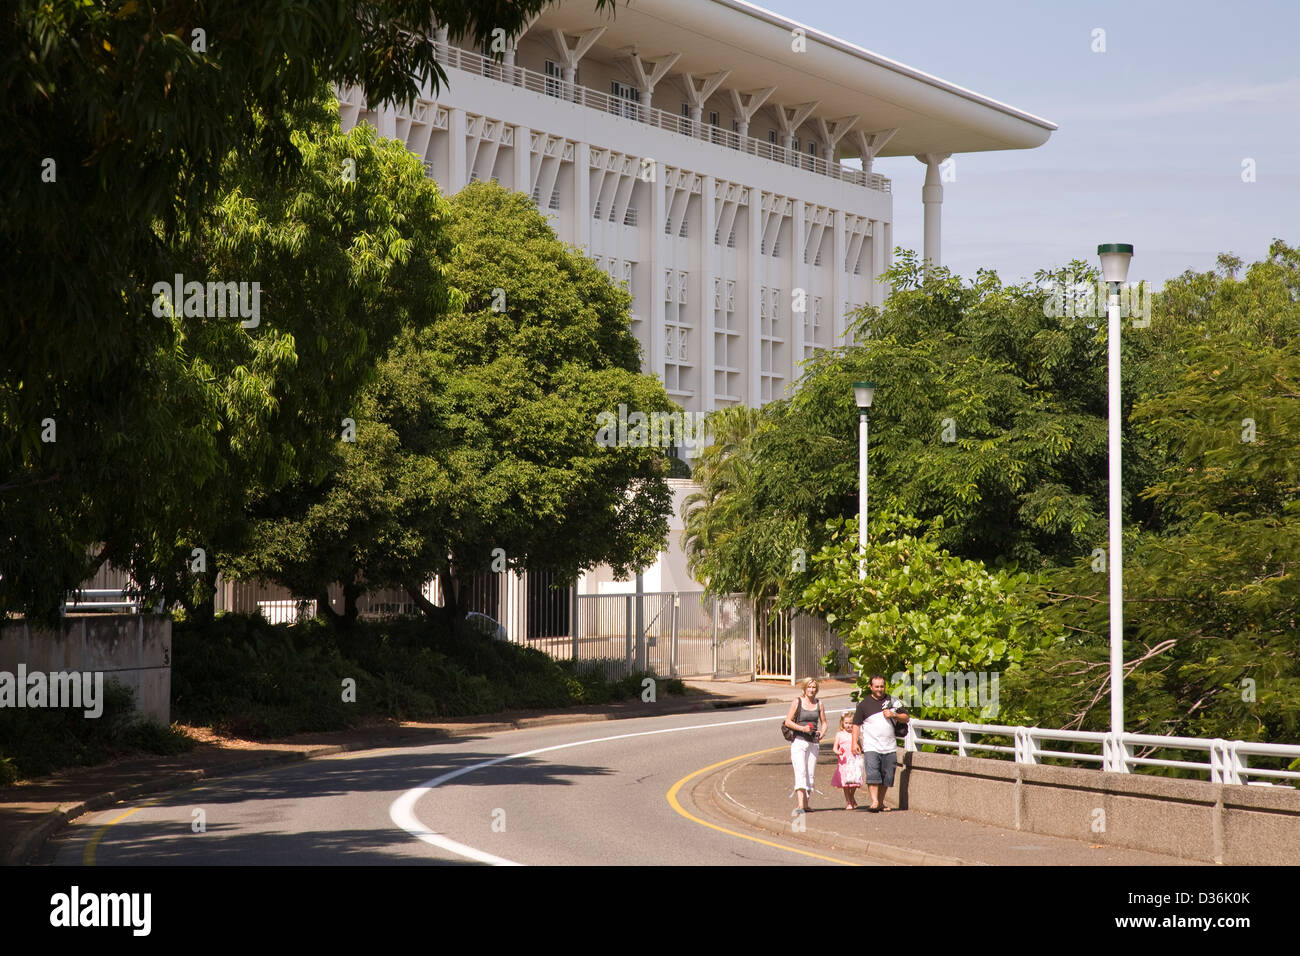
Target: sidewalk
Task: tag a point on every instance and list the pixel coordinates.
(33, 811)
(757, 793)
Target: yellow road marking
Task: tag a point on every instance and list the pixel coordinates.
(676, 805)
(88, 855)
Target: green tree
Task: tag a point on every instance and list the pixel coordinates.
(479, 433)
(119, 117)
(1211, 610)
(723, 549)
(990, 413)
(349, 249)
(919, 607)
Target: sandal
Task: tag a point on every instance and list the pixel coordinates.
(886, 809)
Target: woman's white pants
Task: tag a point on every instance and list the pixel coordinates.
(803, 754)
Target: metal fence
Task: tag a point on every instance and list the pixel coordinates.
(667, 633)
(790, 645)
(692, 634)
(1226, 761)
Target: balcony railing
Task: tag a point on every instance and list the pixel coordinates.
(453, 56)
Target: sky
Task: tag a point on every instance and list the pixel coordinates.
(1153, 132)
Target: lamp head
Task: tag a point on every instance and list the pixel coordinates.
(1115, 258)
(863, 392)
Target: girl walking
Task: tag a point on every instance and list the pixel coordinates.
(848, 774)
(807, 719)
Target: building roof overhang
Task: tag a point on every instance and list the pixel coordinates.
(929, 114)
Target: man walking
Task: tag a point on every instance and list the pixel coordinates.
(874, 739)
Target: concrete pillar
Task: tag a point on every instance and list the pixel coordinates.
(707, 269)
(523, 164)
(837, 276)
(879, 256)
(932, 200)
(582, 196)
(457, 175)
(753, 289)
(798, 280)
(655, 333)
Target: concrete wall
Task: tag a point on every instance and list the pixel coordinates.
(134, 649)
(1191, 819)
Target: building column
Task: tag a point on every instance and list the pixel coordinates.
(798, 280)
(879, 258)
(457, 175)
(508, 65)
(932, 200)
(523, 163)
(837, 277)
(387, 120)
(753, 290)
(582, 196)
(658, 249)
(708, 270)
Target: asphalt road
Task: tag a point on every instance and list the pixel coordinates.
(583, 794)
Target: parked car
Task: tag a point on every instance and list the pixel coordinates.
(487, 626)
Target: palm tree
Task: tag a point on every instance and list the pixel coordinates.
(714, 516)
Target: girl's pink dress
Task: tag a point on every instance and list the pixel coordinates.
(849, 771)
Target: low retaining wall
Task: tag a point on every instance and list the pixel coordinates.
(1190, 819)
(134, 649)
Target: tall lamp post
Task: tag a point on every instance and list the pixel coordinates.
(1115, 258)
(863, 392)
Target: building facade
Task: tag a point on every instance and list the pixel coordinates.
(716, 158)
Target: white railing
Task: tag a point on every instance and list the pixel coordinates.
(471, 62)
(1226, 759)
(288, 611)
(100, 599)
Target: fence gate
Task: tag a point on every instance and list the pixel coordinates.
(772, 658)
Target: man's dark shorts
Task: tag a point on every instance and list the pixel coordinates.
(880, 767)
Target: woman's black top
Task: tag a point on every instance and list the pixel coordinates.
(804, 716)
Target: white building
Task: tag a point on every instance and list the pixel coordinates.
(718, 159)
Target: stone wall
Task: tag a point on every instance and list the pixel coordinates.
(134, 649)
(1191, 819)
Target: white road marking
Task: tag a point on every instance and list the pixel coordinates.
(402, 810)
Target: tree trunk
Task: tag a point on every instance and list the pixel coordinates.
(204, 610)
(350, 594)
(428, 608)
(323, 608)
(450, 596)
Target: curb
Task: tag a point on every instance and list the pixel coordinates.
(729, 806)
(29, 844)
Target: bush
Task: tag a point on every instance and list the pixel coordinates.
(38, 741)
(241, 675)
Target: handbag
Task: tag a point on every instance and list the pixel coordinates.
(787, 733)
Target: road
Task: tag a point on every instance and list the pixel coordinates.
(582, 794)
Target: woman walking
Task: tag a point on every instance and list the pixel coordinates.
(807, 718)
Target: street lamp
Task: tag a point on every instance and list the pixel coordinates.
(1115, 258)
(863, 392)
